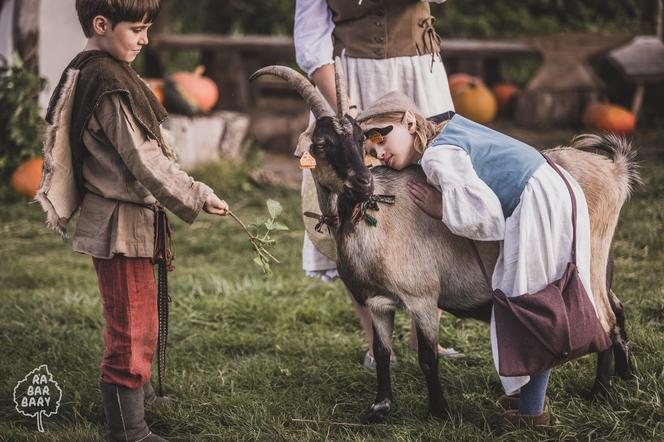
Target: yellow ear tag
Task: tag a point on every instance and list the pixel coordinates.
(307, 161)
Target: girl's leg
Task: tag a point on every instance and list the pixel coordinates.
(532, 396)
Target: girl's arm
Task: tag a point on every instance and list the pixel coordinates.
(469, 208)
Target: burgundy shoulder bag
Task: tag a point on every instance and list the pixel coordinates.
(537, 331)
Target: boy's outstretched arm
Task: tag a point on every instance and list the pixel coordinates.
(171, 186)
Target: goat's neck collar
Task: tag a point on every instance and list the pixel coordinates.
(327, 201)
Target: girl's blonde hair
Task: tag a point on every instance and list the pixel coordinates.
(425, 130)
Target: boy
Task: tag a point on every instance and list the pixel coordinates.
(105, 154)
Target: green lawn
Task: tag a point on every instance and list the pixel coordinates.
(279, 359)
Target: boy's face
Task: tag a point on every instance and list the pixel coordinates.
(124, 41)
(396, 149)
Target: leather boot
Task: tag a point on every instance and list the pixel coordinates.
(124, 411)
(151, 398)
(512, 419)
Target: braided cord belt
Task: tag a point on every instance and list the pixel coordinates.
(163, 257)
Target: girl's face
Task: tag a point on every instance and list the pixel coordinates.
(396, 149)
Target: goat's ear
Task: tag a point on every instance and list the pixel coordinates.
(304, 140)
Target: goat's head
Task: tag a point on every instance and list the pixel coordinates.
(336, 140)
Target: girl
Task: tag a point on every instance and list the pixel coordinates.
(487, 186)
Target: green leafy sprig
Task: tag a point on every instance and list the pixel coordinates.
(259, 235)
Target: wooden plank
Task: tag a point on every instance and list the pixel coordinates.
(486, 48)
(247, 43)
(284, 45)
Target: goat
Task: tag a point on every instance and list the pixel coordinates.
(414, 262)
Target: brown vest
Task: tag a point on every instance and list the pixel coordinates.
(383, 28)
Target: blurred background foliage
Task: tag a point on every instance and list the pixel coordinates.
(456, 18)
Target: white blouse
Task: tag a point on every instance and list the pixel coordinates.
(470, 208)
(312, 33)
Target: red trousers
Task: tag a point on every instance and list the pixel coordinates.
(127, 287)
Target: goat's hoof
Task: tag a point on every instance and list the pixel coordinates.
(599, 391)
(438, 409)
(376, 412)
(627, 374)
(437, 413)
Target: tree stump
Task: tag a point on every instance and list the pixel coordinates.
(205, 139)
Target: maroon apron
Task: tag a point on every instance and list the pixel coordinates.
(537, 331)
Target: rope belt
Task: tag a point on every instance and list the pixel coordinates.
(163, 257)
(430, 38)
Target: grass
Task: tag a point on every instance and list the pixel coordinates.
(279, 359)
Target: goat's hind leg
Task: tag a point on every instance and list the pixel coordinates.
(624, 367)
(426, 323)
(618, 351)
(383, 324)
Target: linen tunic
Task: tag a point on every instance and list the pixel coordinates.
(122, 170)
(368, 79)
(535, 241)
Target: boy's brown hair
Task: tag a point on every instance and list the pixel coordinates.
(116, 11)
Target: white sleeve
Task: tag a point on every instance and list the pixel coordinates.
(470, 208)
(312, 34)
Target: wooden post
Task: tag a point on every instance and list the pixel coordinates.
(26, 32)
(660, 12)
(155, 65)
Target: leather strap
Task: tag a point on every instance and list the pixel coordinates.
(571, 194)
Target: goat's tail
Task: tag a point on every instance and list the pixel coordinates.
(620, 150)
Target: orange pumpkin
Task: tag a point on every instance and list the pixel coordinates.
(505, 95)
(476, 102)
(156, 85)
(456, 81)
(610, 118)
(27, 177)
(197, 89)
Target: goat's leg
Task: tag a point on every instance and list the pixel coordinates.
(620, 340)
(383, 324)
(619, 337)
(603, 376)
(426, 324)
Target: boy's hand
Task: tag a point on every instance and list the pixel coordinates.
(427, 198)
(215, 206)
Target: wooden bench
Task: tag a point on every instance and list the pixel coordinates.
(231, 59)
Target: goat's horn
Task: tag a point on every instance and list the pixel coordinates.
(307, 91)
(342, 89)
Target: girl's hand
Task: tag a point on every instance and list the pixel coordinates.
(427, 198)
(215, 206)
